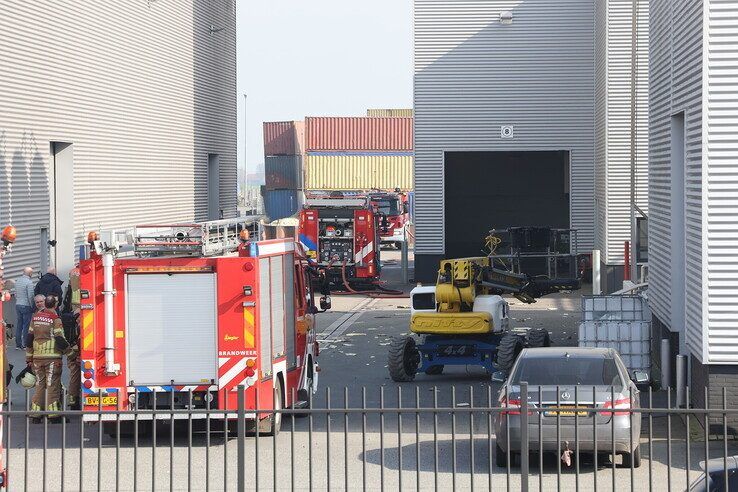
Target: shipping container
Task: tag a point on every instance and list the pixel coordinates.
(284, 137)
(283, 172)
(282, 203)
(390, 113)
(358, 134)
(359, 171)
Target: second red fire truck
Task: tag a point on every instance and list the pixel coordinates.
(341, 234)
(394, 217)
(180, 316)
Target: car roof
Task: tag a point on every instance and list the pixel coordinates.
(582, 352)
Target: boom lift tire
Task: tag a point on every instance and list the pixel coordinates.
(434, 370)
(508, 350)
(538, 337)
(403, 359)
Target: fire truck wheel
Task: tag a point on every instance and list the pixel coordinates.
(403, 359)
(271, 425)
(127, 429)
(539, 337)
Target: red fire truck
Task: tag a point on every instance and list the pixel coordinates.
(342, 235)
(394, 217)
(194, 309)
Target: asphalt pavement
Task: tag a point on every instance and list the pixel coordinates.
(356, 450)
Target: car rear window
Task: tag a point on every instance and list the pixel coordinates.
(561, 370)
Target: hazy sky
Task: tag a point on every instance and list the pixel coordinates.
(300, 58)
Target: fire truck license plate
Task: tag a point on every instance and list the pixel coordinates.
(106, 400)
(456, 350)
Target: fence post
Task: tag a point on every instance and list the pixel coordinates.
(524, 465)
(596, 275)
(404, 260)
(241, 449)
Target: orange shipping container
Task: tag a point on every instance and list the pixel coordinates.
(283, 137)
(359, 133)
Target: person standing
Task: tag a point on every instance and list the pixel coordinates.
(39, 301)
(45, 345)
(50, 285)
(23, 306)
(70, 321)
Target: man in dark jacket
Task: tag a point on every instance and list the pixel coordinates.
(50, 285)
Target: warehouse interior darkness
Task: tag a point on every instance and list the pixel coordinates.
(503, 189)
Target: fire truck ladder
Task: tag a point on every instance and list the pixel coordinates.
(211, 238)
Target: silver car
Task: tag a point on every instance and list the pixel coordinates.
(575, 380)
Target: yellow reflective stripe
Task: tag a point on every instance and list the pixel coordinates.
(87, 331)
(248, 328)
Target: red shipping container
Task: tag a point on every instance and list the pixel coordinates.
(358, 133)
(283, 137)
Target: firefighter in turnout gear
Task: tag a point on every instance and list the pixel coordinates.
(70, 323)
(45, 345)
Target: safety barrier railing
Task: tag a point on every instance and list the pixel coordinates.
(382, 439)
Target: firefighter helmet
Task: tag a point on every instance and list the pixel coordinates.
(28, 380)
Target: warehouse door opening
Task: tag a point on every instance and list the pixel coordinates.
(486, 190)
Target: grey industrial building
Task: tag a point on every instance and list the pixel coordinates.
(693, 190)
(522, 117)
(113, 114)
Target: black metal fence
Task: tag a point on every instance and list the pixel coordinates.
(374, 439)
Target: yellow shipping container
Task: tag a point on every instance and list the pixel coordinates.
(390, 113)
(339, 171)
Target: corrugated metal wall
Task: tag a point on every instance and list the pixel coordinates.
(143, 91)
(358, 133)
(351, 171)
(279, 204)
(284, 137)
(721, 182)
(613, 38)
(283, 172)
(601, 101)
(473, 75)
(675, 86)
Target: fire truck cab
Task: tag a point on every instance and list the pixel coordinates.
(341, 234)
(394, 216)
(180, 316)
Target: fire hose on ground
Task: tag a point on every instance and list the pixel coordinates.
(379, 292)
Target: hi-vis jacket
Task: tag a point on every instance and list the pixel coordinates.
(40, 343)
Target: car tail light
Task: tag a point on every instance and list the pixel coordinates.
(512, 406)
(622, 403)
